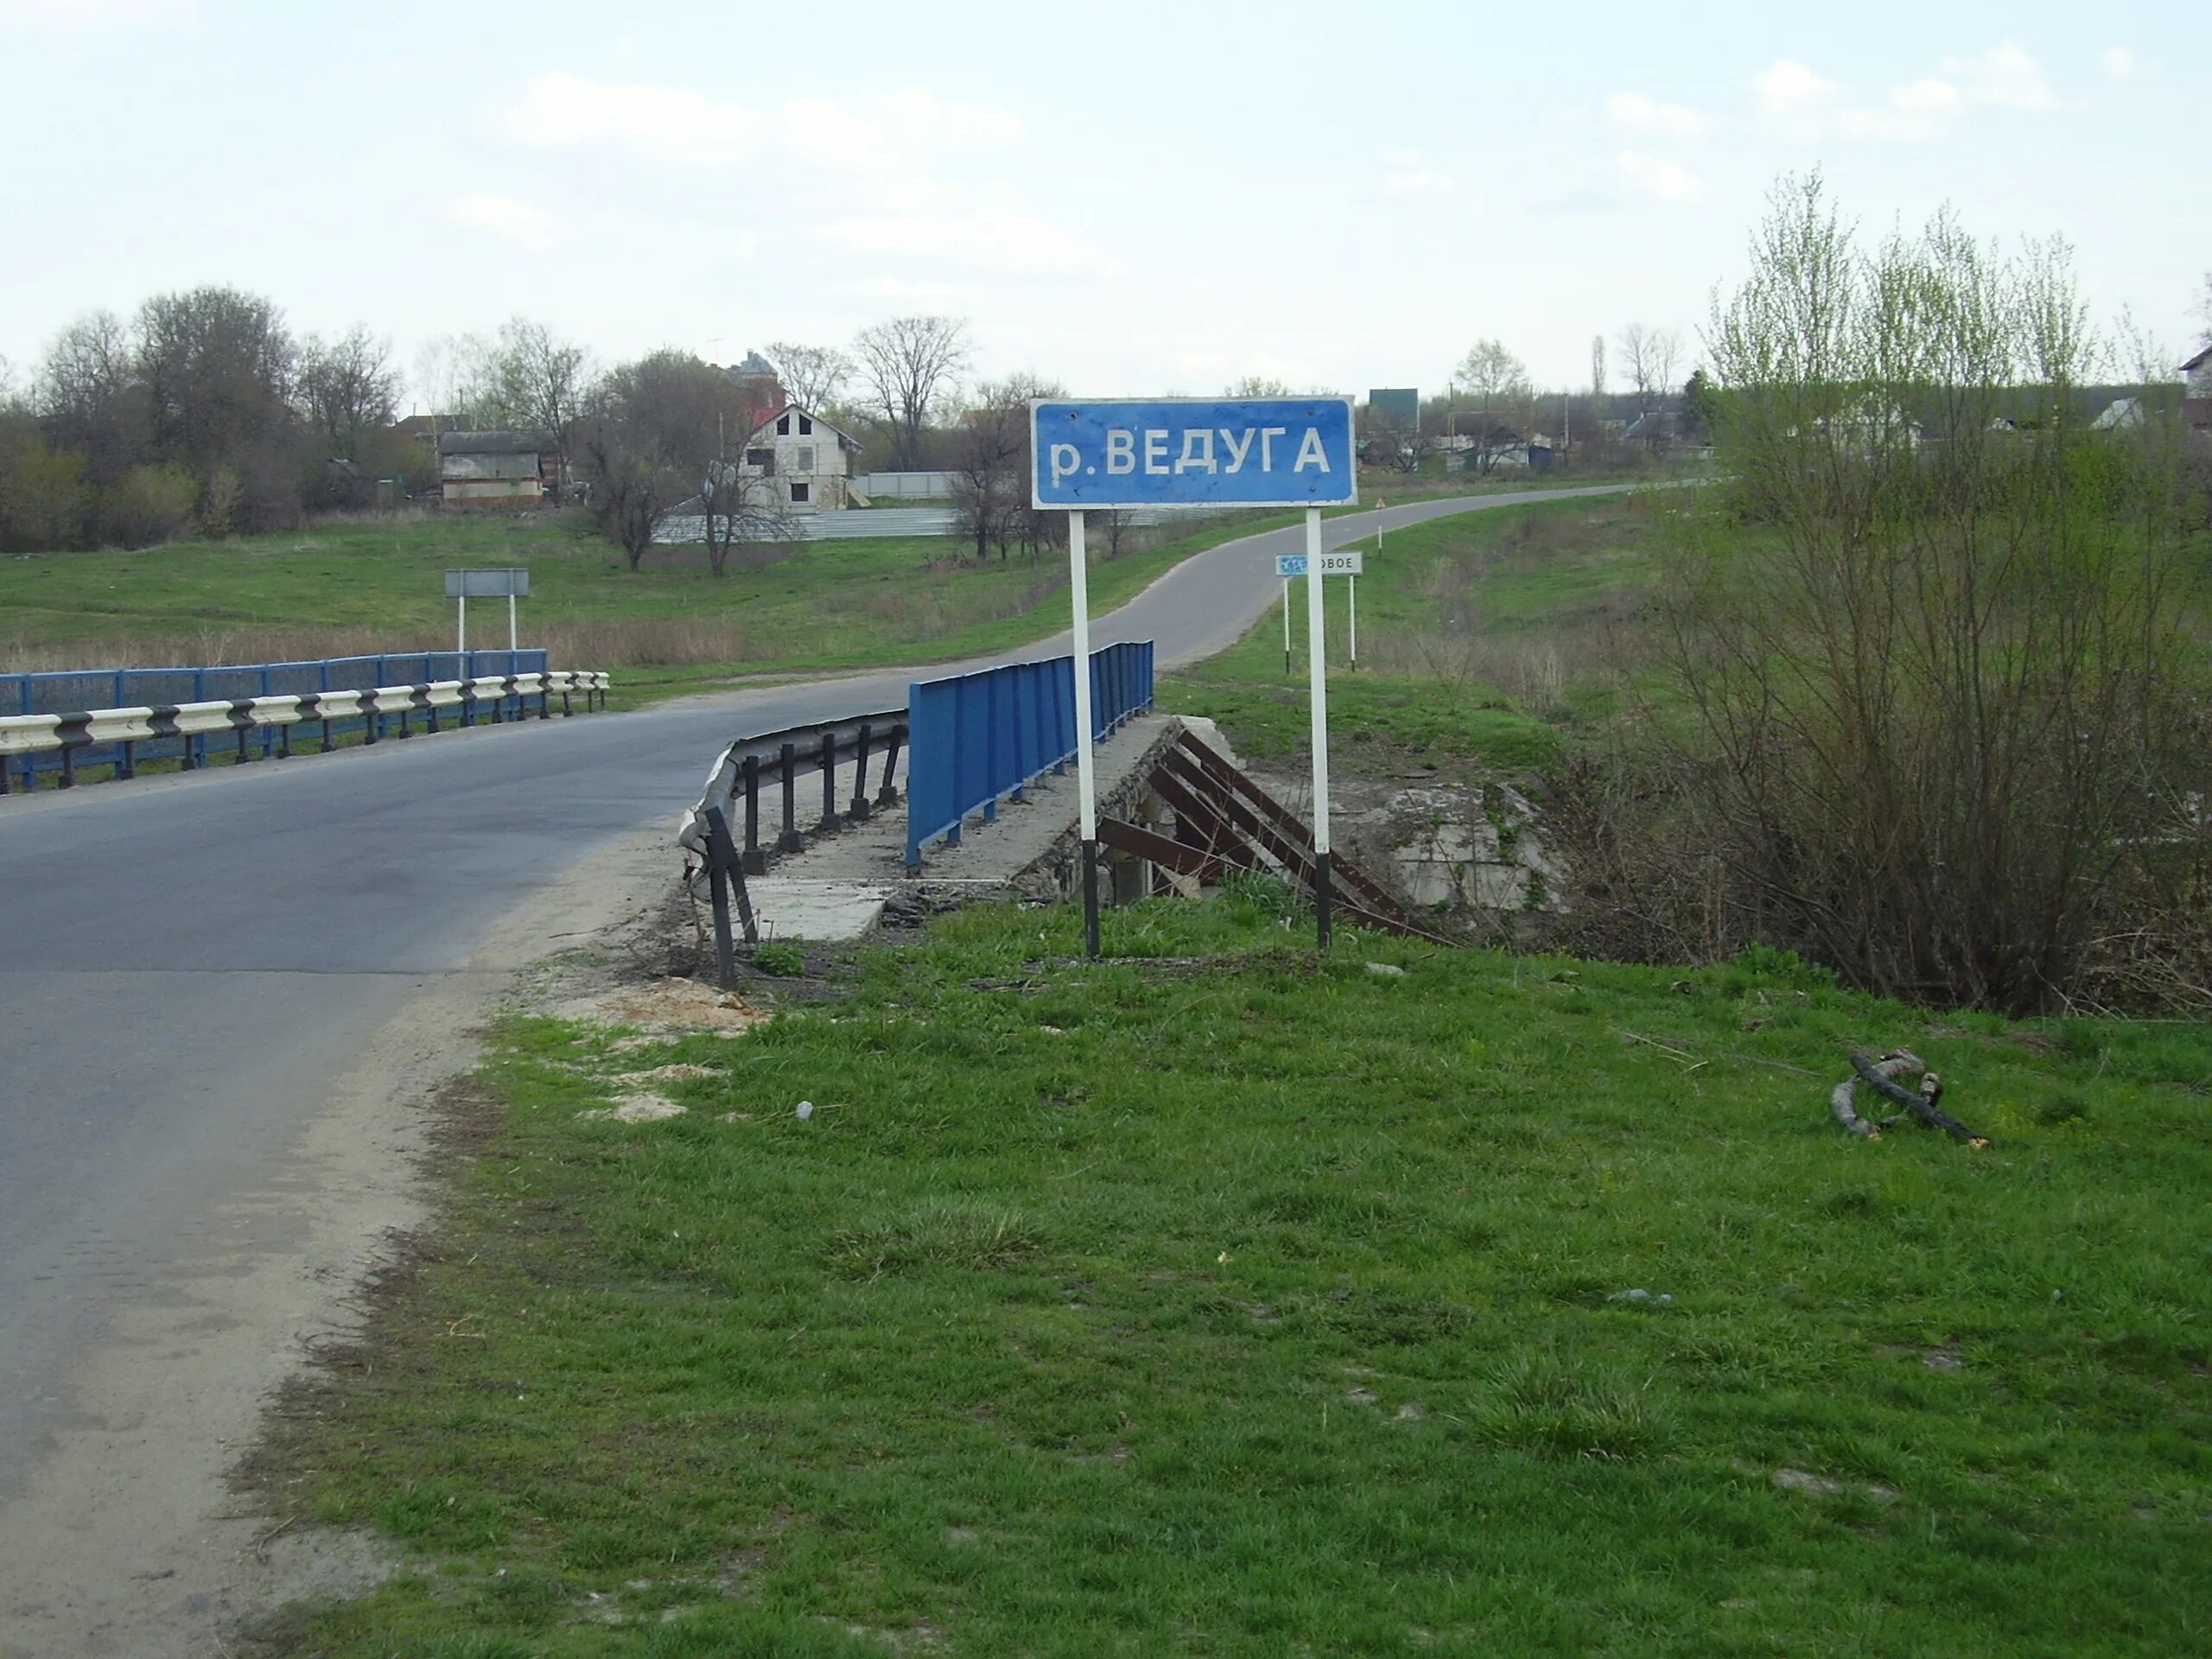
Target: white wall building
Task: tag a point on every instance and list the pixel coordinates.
(808, 460)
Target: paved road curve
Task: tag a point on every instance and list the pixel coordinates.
(185, 965)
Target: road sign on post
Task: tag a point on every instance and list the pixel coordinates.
(1346, 561)
(1244, 452)
(1255, 452)
(509, 582)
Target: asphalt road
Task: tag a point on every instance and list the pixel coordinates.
(186, 963)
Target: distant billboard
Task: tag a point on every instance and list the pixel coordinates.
(1399, 404)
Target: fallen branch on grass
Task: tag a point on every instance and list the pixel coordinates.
(1881, 1076)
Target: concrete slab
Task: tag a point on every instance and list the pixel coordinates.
(791, 907)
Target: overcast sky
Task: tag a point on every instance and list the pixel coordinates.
(1132, 198)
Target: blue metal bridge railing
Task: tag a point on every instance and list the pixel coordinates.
(975, 738)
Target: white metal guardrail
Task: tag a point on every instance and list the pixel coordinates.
(23, 735)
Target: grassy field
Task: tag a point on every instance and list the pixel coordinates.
(1480, 637)
(369, 585)
(670, 627)
(1227, 1301)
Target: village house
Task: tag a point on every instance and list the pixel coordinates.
(808, 460)
(496, 469)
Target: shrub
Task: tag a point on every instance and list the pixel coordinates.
(1944, 713)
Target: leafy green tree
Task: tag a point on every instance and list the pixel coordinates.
(44, 496)
(1702, 404)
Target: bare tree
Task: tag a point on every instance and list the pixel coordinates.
(648, 438)
(736, 505)
(1497, 382)
(1256, 385)
(810, 375)
(991, 465)
(908, 365)
(542, 379)
(1650, 356)
(1598, 376)
(456, 376)
(88, 396)
(346, 389)
(216, 366)
(661, 431)
(1395, 443)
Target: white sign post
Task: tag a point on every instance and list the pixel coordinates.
(1285, 627)
(1085, 781)
(1317, 672)
(462, 586)
(1249, 452)
(1316, 566)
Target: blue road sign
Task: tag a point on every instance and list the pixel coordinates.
(1350, 563)
(1255, 452)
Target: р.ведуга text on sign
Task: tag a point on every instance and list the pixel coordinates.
(1288, 452)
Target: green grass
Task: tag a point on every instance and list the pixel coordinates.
(671, 627)
(1237, 1303)
(1478, 634)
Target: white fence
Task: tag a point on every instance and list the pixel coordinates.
(934, 487)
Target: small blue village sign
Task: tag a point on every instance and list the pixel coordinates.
(1252, 452)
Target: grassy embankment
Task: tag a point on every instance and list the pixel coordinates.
(669, 628)
(1483, 638)
(374, 585)
(1250, 1305)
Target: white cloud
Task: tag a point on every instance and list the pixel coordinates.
(886, 133)
(985, 237)
(1637, 113)
(505, 218)
(936, 297)
(87, 17)
(2121, 64)
(2003, 78)
(1408, 172)
(892, 131)
(1660, 179)
(665, 123)
(1812, 109)
(1788, 87)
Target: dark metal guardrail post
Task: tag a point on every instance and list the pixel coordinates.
(790, 841)
(859, 809)
(756, 861)
(829, 819)
(68, 768)
(725, 871)
(888, 795)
